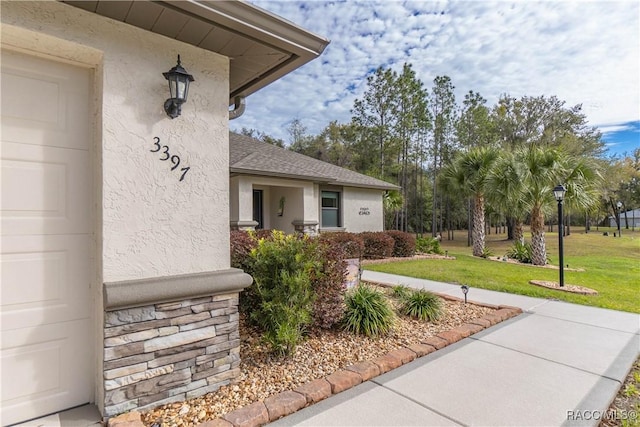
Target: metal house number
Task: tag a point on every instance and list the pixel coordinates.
(166, 155)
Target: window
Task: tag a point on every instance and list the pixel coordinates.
(330, 209)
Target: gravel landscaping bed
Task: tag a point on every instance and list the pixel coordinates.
(322, 353)
(625, 408)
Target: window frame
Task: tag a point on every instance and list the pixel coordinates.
(337, 208)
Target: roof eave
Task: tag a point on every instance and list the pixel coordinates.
(253, 172)
(316, 179)
(259, 24)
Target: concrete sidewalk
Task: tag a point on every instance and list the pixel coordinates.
(556, 364)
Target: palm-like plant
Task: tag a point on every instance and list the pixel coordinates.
(504, 191)
(523, 182)
(468, 173)
(392, 202)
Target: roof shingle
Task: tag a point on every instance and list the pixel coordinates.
(250, 156)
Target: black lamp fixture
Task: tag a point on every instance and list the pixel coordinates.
(559, 192)
(179, 81)
(465, 290)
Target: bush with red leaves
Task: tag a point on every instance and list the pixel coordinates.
(377, 244)
(404, 243)
(351, 243)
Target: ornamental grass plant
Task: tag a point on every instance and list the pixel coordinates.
(368, 312)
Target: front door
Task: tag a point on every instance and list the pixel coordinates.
(258, 214)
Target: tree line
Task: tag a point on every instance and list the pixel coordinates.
(471, 165)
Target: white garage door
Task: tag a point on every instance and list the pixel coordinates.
(46, 301)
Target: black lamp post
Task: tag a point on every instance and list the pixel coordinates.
(179, 81)
(559, 192)
(619, 206)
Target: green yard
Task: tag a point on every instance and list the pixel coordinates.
(612, 267)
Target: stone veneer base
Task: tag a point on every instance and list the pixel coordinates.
(290, 401)
(170, 339)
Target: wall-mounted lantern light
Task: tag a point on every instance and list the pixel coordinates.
(179, 81)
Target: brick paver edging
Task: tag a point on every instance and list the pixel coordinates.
(288, 402)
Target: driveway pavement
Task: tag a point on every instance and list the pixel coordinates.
(556, 364)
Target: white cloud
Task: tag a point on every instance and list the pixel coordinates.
(615, 128)
(582, 52)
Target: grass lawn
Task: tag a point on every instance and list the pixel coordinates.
(612, 267)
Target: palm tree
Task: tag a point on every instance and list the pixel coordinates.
(526, 182)
(392, 202)
(504, 191)
(542, 171)
(468, 173)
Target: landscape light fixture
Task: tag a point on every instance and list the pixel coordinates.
(465, 289)
(619, 205)
(179, 81)
(559, 192)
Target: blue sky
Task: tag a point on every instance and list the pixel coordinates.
(584, 52)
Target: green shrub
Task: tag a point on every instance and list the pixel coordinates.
(400, 291)
(280, 300)
(428, 245)
(422, 304)
(520, 251)
(351, 243)
(486, 252)
(285, 311)
(322, 261)
(377, 244)
(404, 244)
(368, 312)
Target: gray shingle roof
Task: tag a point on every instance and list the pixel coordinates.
(250, 156)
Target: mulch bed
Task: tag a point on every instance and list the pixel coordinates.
(574, 289)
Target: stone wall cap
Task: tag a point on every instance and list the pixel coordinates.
(141, 292)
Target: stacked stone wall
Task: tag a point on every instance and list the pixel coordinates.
(169, 352)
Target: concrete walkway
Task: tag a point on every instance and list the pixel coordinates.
(556, 364)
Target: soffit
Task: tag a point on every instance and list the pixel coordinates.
(262, 47)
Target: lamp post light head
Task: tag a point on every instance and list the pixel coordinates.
(559, 192)
(619, 205)
(179, 80)
(464, 289)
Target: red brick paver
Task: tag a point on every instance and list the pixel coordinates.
(421, 349)
(284, 403)
(451, 336)
(387, 362)
(253, 415)
(343, 380)
(404, 354)
(315, 391)
(435, 342)
(130, 419)
(366, 369)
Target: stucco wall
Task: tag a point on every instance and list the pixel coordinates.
(301, 200)
(293, 209)
(362, 210)
(153, 224)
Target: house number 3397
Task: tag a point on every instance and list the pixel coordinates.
(166, 155)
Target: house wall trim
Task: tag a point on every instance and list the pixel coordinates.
(136, 293)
